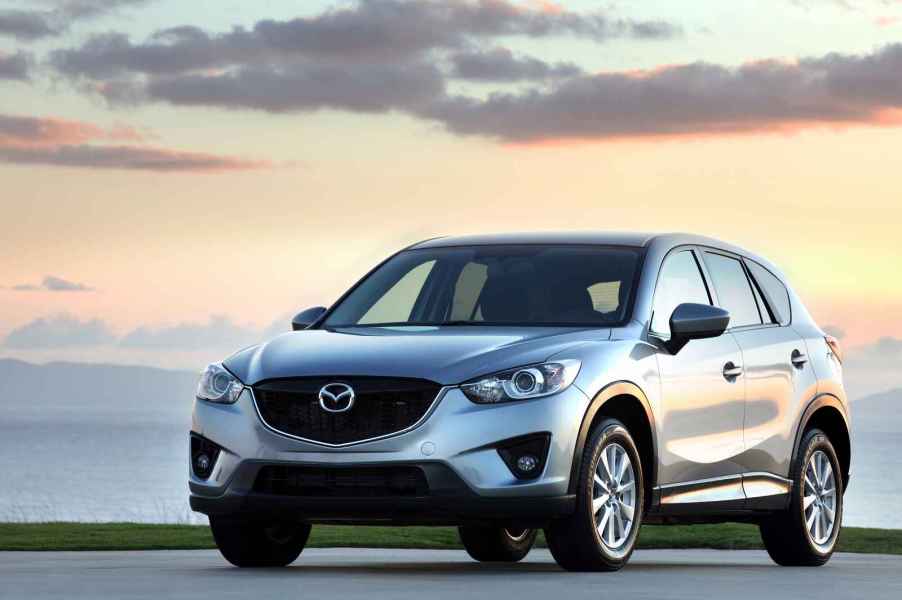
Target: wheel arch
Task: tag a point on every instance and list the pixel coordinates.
(626, 402)
(827, 413)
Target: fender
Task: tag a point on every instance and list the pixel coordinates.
(816, 403)
(612, 390)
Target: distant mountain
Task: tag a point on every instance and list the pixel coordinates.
(80, 389)
(878, 413)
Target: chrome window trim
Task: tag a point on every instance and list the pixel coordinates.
(435, 401)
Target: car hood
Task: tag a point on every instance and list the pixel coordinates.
(446, 355)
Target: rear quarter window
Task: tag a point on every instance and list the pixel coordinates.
(775, 293)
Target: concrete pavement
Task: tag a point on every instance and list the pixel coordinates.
(349, 574)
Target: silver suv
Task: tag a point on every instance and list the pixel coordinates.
(578, 383)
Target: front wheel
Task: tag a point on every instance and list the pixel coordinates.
(497, 544)
(254, 543)
(601, 533)
(805, 534)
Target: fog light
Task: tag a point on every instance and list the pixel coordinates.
(527, 463)
(203, 456)
(525, 455)
(202, 464)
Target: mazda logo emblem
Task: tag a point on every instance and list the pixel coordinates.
(336, 397)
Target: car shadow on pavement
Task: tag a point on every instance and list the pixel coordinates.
(478, 569)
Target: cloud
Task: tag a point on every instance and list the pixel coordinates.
(358, 88)
(218, 332)
(500, 65)
(367, 31)
(26, 25)
(59, 331)
(54, 284)
(369, 56)
(59, 142)
(691, 99)
(16, 66)
(56, 17)
(17, 130)
(132, 158)
(376, 56)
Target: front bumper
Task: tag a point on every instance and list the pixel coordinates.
(449, 502)
(455, 447)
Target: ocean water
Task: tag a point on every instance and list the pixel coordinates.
(91, 467)
(94, 470)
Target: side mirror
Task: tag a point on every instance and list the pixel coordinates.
(306, 318)
(695, 322)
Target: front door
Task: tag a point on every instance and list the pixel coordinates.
(702, 397)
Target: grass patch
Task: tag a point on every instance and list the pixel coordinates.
(134, 536)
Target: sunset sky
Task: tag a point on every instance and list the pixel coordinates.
(177, 178)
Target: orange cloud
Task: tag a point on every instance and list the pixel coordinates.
(61, 142)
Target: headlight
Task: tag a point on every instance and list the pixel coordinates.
(533, 381)
(218, 385)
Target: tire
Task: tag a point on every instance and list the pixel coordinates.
(254, 543)
(786, 535)
(497, 544)
(575, 541)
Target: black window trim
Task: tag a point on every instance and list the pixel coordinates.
(763, 292)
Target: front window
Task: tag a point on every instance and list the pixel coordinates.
(680, 281)
(492, 285)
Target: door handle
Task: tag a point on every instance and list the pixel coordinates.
(731, 371)
(798, 358)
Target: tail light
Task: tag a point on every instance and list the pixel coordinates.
(833, 344)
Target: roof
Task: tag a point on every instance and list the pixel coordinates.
(658, 241)
(560, 237)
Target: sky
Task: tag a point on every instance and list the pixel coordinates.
(178, 178)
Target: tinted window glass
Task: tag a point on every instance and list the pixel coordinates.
(397, 303)
(529, 285)
(466, 292)
(734, 291)
(775, 292)
(680, 281)
(605, 296)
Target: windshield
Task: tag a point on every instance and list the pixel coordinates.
(494, 285)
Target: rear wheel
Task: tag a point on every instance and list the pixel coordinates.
(602, 532)
(497, 544)
(253, 543)
(805, 534)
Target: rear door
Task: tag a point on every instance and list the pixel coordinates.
(775, 368)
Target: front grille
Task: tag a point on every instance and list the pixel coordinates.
(382, 406)
(349, 482)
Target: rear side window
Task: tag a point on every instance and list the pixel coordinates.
(775, 293)
(680, 281)
(734, 290)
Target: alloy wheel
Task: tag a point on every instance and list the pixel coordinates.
(819, 498)
(614, 496)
